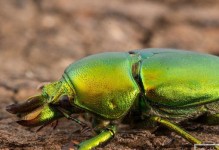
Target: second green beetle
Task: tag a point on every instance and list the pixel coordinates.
(163, 86)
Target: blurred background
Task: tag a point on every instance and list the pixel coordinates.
(40, 38)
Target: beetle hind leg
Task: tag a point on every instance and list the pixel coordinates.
(176, 129)
(212, 118)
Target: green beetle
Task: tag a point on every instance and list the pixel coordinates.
(164, 86)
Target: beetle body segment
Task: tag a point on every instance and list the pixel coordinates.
(104, 84)
(180, 83)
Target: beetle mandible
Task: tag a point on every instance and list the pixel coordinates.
(165, 86)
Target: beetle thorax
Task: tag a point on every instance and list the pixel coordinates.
(104, 84)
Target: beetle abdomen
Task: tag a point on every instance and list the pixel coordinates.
(179, 79)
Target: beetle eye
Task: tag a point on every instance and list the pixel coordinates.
(64, 101)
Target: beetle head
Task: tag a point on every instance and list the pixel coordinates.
(45, 108)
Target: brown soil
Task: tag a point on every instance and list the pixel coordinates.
(39, 38)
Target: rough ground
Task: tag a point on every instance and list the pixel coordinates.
(39, 38)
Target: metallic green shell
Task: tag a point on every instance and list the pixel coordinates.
(180, 82)
(176, 83)
(104, 84)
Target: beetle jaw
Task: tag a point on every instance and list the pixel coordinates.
(34, 112)
(30, 104)
(45, 108)
(47, 115)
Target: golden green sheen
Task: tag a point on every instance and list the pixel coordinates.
(181, 78)
(104, 84)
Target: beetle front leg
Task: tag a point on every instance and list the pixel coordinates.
(176, 129)
(102, 137)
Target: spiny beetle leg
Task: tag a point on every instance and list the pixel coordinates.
(176, 129)
(104, 136)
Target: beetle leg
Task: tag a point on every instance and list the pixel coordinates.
(176, 129)
(102, 137)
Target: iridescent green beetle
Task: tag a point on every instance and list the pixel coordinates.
(164, 86)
